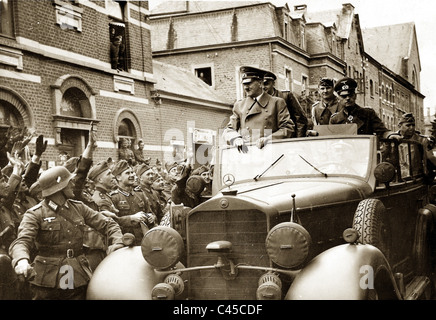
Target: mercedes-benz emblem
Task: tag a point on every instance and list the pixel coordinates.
(229, 179)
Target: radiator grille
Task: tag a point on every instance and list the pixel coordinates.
(247, 231)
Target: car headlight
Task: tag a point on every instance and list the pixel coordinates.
(287, 244)
(162, 247)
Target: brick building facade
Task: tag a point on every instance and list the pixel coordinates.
(59, 76)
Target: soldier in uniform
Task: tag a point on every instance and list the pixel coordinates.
(134, 214)
(298, 116)
(56, 228)
(139, 152)
(367, 120)
(125, 153)
(407, 131)
(259, 117)
(329, 104)
(146, 177)
(104, 182)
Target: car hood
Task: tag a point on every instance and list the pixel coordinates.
(308, 192)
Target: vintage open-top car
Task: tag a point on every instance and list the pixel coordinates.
(326, 217)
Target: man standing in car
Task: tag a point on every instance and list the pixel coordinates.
(367, 120)
(298, 116)
(329, 104)
(258, 117)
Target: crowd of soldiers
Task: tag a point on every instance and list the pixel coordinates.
(75, 214)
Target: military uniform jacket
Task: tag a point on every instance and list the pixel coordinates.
(298, 116)
(57, 232)
(128, 203)
(251, 119)
(322, 111)
(366, 119)
(155, 205)
(103, 200)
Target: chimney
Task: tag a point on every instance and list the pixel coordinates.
(347, 7)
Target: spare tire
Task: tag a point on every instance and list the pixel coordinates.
(370, 222)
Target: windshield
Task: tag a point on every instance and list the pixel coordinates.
(299, 157)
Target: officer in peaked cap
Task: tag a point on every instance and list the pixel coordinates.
(329, 103)
(366, 119)
(258, 117)
(345, 86)
(250, 74)
(298, 116)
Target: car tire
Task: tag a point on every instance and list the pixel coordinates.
(369, 222)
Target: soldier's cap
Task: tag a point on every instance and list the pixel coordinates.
(326, 82)
(195, 184)
(140, 169)
(71, 164)
(407, 118)
(120, 167)
(269, 76)
(251, 73)
(345, 86)
(97, 169)
(171, 165)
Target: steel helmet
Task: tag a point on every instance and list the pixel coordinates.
(54, 179)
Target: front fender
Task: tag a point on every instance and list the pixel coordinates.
(124, 275)
(345, 272)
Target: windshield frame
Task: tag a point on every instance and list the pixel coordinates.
(365, 174)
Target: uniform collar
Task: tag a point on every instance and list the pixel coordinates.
(124, 192)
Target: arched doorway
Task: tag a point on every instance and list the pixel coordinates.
(15, 113)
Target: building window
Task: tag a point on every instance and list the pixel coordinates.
(118, 54)
(204, 74)
(303, 37)
(285, 31)
(371, 87)
(288, 79)
(304, 85)
(6, 18)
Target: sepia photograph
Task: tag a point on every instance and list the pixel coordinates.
(217, 155)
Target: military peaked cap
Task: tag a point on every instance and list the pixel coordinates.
(250, 73)
(345, 86)
(269, 76)
(97, 169)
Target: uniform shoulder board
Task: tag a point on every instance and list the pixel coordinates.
(316, 103)
(113, 192)
(75, 201)
(137, 189)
